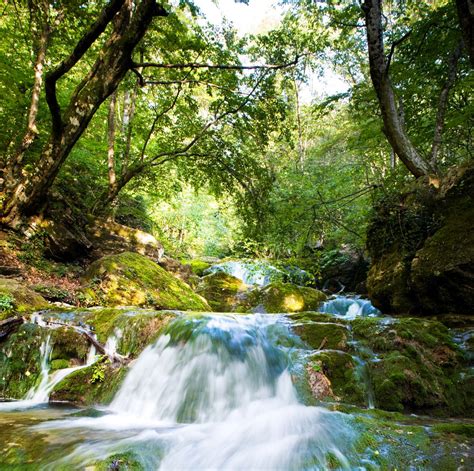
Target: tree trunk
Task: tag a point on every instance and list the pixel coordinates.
(111, 144)
(466, 21)
(13, 166)
(443, 104)
(394, 128)
(113, 62)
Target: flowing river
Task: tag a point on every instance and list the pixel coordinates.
(213, 392)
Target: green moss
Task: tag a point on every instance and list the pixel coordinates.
(68, 344)
(340, 369)
(135, 280)
(198, 266)
(20, 361)
(285, 297)
(22, 299)
(80, 387)
(221, 291)
(59, 364)
(418, 368)
(466, 430)
(323, 335)
(138, 328)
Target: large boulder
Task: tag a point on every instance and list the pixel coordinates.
(287, 297)
(135, 280)
(222, 291)
(109, 238)
(421, 245)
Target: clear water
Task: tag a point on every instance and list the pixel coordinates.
(251, 273)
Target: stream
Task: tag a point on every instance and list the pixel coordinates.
(213, 392)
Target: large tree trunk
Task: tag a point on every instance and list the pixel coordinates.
(394, 128)
(113, 62)
(466, 21)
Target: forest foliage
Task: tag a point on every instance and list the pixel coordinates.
(214, 157)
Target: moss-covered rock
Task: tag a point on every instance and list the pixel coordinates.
(134, 329)
(135, 280)
(198, 266)
(20, 361)
(417, 367)
(327, 335)
(221, 291)
(68, 345)
(286, 297)
(110, 237)
(399, 364)
(95, 384)
(18, 298)
(341, 370)
(421, 244)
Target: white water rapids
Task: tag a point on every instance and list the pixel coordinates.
(215, 392)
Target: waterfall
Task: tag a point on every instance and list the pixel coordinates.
(349, 307)
(39, 394)
(36, 394)
(251, 273)
(216, 392)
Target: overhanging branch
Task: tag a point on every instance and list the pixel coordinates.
(199, 65)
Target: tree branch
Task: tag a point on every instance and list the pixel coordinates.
(392, 49)
(443, 102)
(67, 64)
(198, 65)
(204, 129)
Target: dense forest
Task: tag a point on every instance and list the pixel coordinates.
(154, 161)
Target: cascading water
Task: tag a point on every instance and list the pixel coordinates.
(251, 273)
(39, 394)
(349, 307)
(216, 392)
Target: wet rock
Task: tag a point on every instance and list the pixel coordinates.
(286, 297)
(323, 335)
(418, 367)
(319, 383)
(222, 291)
(87, 387)
(134, 280)
(20, 361)
(341, 370)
